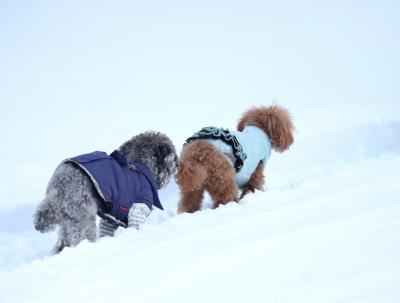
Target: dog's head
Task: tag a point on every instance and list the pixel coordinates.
(156, 151)
(274, 120)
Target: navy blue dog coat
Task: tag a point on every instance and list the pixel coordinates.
(119, 184)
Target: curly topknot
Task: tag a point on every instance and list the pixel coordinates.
(274, 120)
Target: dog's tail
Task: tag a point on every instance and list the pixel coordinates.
(47, 215)
(191, 176)
(274, 120)
(197, 160)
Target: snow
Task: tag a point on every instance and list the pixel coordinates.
(324, 230)
(82, 76)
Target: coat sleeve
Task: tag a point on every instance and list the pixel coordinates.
(137, 215)
(106, 229)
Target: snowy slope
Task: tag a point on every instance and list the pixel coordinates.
(325, 230)
(78, 76)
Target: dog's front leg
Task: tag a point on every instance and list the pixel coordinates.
(256, 181)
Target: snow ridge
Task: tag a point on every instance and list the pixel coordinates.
(323, 231)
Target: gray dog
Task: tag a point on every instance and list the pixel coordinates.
(121, 188)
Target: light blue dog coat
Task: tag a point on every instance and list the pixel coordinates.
(253, 146)
(256, 145)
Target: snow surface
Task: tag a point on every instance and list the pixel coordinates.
(78, 76)
(324, 230)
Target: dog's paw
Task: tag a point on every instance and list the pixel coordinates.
(245, 192)
(60, 245)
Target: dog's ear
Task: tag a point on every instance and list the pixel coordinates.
(241, 124)
(165, 153)
(274, 120)
(162, 151)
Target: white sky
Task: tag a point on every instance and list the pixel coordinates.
(78, 76)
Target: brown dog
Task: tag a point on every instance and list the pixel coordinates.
(222, 162)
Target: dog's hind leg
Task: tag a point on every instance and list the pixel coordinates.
(78, 224)
(61, 242)
(91, 232)
(223, 192)
(190, 201)
(70, 234)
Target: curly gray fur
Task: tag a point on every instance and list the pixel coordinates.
(156, 151)
(71, 201)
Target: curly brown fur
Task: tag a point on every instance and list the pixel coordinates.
(202, 167)
(274, 120)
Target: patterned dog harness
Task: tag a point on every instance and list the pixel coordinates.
(224, 135)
